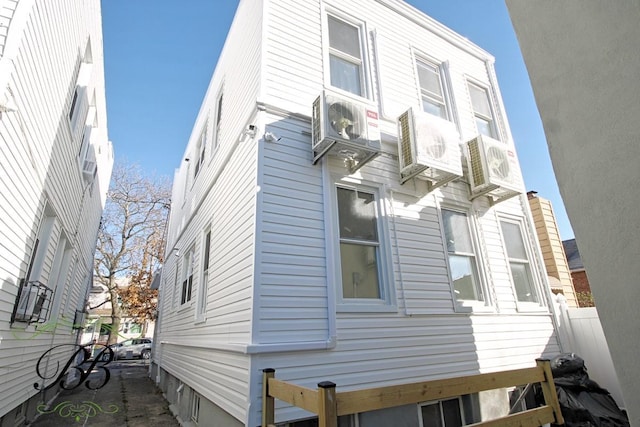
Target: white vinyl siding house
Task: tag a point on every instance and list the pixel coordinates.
(321, 273)
(56, 162)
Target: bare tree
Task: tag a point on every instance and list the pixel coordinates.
(131, 236)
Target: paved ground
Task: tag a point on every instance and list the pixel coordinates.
(129, 399)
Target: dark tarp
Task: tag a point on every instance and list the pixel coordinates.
(582, 401)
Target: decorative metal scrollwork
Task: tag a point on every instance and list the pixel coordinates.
(78, 411)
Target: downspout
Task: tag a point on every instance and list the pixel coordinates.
(395, 242)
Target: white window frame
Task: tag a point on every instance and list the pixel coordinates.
(188, 267)
(363, 62)
(532, 271)
(443, 75)
(201, 149)
(480, 276)
(201, 307)
(439, 403)
(387, 300)
(493, 120)
(217, 120)
(194, 404)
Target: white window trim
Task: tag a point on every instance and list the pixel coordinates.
(201, 299)
(367, 87)
(497, 129)
(445, 82)
(433, 402)
(200, 154)
(194, 404)
(334, 274)
(188, 258)
(524, 306)
(467, 306)
(216, 122)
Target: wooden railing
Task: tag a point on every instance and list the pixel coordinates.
(329, 404)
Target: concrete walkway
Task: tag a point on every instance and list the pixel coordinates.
(129, 399)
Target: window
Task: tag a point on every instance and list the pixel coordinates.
(60, 271)
(461, 255)
(345, 56)
(80, 102)
(216, 135)
(480, 101)
(200, 151)
(202, 293)
(187, 281)
(195, 406)
(34, 297)
(74, 101)
(445, 413)
(518, 262)
(432, 89)
(359, 244)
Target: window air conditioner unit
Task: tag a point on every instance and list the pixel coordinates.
(493, 169)
(345, 128)
(33, 305)
(428, 148)
(89, 170)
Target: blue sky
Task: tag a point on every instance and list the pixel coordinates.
(160, 56)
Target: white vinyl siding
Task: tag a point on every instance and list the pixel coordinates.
(43, 53)
(274, 280)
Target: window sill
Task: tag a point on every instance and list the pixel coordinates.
(347, 94)
(364, 307)
(531, 307)
(473, 307)
(184, 307)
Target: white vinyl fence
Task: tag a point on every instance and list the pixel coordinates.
(581, 333)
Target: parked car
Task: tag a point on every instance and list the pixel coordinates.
(135, 347)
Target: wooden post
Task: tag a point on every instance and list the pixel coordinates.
(549, 390)
(327, 405)
(268, 402)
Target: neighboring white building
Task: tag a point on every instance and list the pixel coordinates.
(583, 61)
(56, 161)
(99, 320)
(296, 243)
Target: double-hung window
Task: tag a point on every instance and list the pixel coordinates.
(202, 292)
(359, 244)
(364, 278)
(463, 265)
(187, 276)
(200, 151)
(346, 61)
(216, 125)
(518, 262)
(481, 104)
(432, 92)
